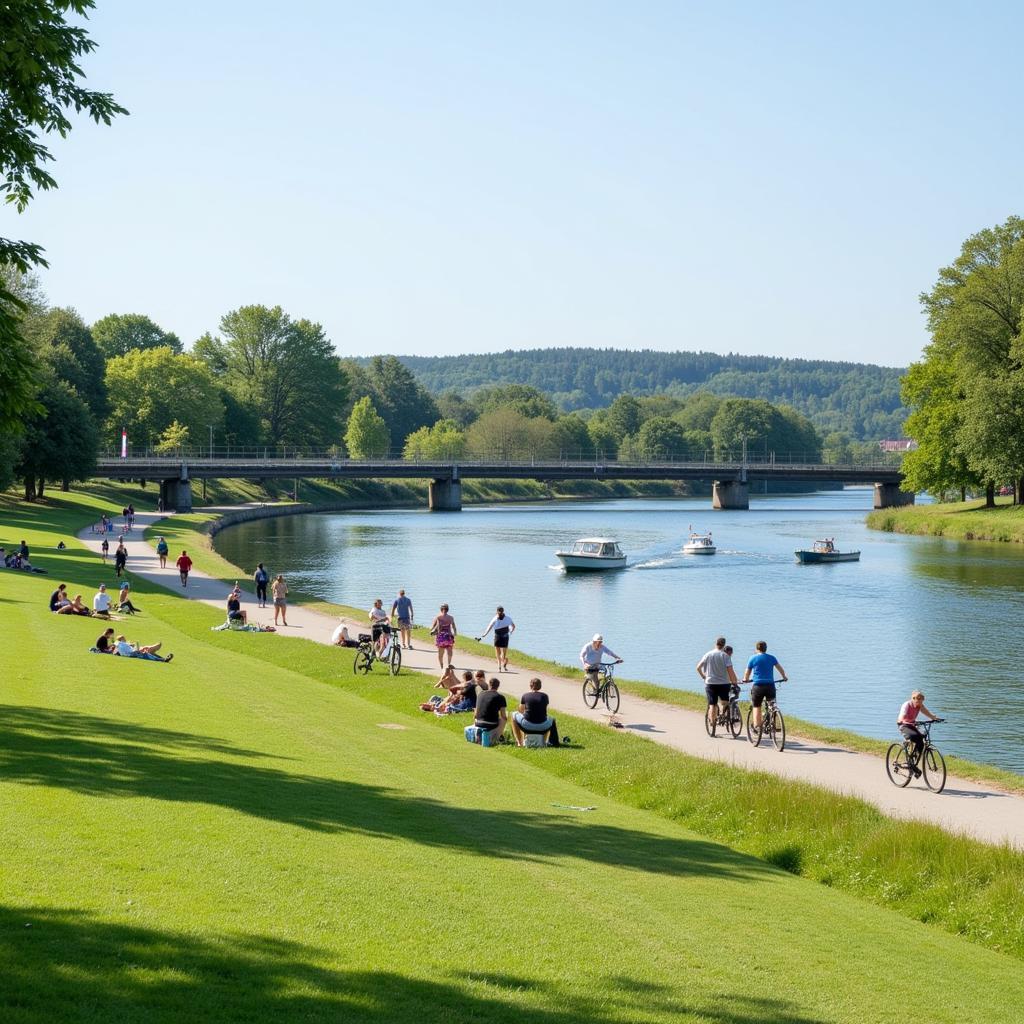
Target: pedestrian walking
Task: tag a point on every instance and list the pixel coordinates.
(162, 551)
(280, 594)
(444, 632)
(261, 578)
(184, 564)
(120, 558)
(502, 625)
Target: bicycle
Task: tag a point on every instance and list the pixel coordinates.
(367, 654)
(603, 689)
(731, 718)
(901, 765)
(773, 724)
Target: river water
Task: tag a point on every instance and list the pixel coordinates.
(855, 638)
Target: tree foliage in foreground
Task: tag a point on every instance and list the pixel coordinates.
(40, 83)
(120, 333)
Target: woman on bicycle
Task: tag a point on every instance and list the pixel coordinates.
(907, 722)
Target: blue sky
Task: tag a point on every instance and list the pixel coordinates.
(443, 177)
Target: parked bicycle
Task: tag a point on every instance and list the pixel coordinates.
(729, 717)
(773, 725)
(367, 654)
(600, 686)
(902, 764)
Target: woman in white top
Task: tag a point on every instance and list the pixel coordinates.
(503, 626)
(380, 623)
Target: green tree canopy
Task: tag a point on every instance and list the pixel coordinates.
(284, 369)
(529, 401)
(661, 437)
(40, 83)
(119, 333)
(507, 434)
(571, 438)
(367, 434)
(443, 441)
(402, 401)
(67, 345)
(624, 416)
(151, 389)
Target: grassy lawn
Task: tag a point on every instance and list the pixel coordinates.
(968, 520)
(250, 833)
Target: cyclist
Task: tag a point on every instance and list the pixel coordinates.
(715, 668)
(593, 654)
(380, 622)
(761, 671)
(907, 722)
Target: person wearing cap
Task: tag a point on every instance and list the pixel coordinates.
(593, 654)
(101, 602)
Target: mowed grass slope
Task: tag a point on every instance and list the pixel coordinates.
(226, 838)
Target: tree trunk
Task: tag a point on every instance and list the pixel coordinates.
(990, 495)
(41, 487)
(1018, 490)
(65, 485)
(963, 494)
(30, 488)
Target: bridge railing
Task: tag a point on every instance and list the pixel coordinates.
(288, 456)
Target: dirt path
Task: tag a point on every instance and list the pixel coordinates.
(979, 810)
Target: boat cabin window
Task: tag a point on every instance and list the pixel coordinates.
(607, 549)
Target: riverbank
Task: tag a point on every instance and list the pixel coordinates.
(192, 532)
(206, 807)
(968, 520)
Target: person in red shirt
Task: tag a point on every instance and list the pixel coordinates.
(184, 564)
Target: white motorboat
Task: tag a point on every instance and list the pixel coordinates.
(699, 544)
(590, 554)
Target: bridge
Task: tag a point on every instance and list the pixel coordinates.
(730, 479)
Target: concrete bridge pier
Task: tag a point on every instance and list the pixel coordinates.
(730, 494)
(445, 495)
(176, 494)
(890, 496)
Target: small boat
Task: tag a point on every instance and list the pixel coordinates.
(699, 544)
(825, 551)
(589, 554)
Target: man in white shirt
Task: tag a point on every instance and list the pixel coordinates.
(593, 654)
(127, 650)
(715, 668)
(101, 602)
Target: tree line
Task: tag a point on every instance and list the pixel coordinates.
(859, 400)
(966, 393)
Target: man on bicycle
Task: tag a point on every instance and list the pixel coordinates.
(907, 723)
(761, 670)
(593, 654)
(715, 668)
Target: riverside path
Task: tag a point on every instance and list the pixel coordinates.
(982, 811)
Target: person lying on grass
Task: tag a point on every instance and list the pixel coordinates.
(237, 624)
(75, 607)
(129, 650)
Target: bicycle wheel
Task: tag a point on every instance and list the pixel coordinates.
(362, 662)
(934, 765)
(778, 726)
(591, 691)
(735, 719)
(396, 658)
(610, 695)
(710, 724)
(897, 765)
(753, 733)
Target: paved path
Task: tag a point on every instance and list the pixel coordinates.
(980, 810)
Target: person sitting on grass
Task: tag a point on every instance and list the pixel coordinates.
(101, 602)
(235, 604)
(76, 607)
(532, 716)
(447, 680)
(105, 642)
(129, 650)
(907, 722)
(236, 624)
(58, 597)
(340, 637)
(124, 602)
(490, 711)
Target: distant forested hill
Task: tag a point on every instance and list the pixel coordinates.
(859, 399)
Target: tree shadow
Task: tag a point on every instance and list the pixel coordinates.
(72, 966)
(102, 757)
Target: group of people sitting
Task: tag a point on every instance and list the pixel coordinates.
(476, 693)
(19, 559)
(102, 604)
(107, 643)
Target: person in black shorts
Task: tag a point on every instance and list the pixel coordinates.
(761, 670)
(532, 716)
(490, 711)
(716, 670)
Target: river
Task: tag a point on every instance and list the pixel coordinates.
(855, 638)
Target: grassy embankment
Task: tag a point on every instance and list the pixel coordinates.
(190, 532)
(302, 842)
(968, 520)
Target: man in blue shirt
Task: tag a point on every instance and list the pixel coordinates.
(402, 611)
(761, 671)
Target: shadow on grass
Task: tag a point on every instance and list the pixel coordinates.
(65, 965)
(107, 758)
